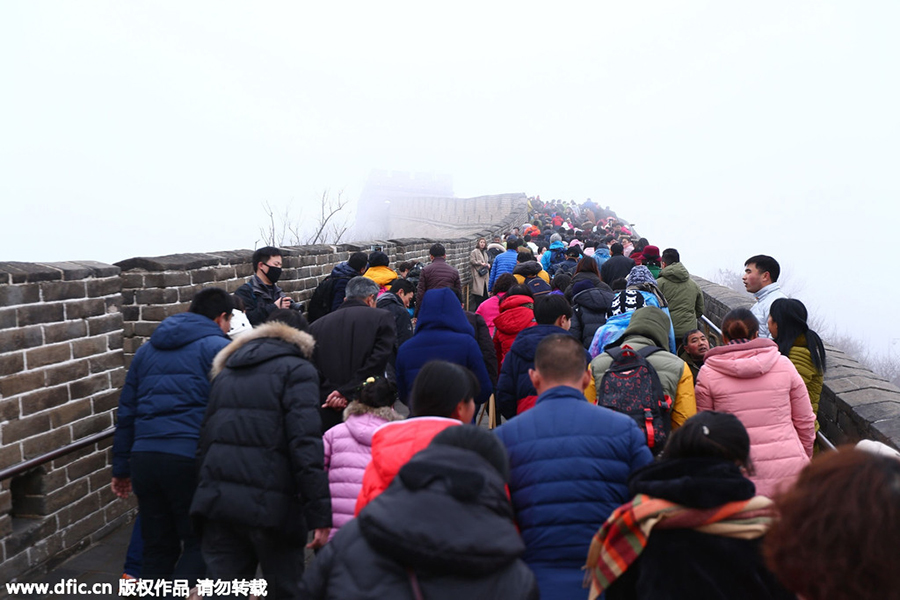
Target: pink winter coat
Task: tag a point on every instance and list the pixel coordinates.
(761, 387)
(348, 450)
(490, 310)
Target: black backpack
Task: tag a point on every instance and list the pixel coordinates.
(538, 286)
(557, 255)
(320, 303)
(631, 386)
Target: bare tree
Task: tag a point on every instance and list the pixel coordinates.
(331, 225)
(283, 228)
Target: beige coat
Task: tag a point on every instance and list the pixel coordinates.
(479, 282)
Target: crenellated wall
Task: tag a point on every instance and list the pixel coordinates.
(67, 334)
(69, 330)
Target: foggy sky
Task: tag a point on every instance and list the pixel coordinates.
(724, 130)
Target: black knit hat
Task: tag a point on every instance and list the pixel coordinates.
(480, 441)
(379, 259)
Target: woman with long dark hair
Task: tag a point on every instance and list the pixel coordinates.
(802, 345)
(750, 379)
(479, 263)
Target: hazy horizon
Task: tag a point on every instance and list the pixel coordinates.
(722, 130)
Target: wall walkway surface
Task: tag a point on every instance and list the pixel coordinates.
(68, 331)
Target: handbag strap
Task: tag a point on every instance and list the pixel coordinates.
(414, 583)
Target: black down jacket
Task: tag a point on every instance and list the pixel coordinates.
(260, 450)
(589, 310)
(445, 521)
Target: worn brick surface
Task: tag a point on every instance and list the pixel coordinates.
(25, 427)
(62, 290)
(80, 309)
(66, 372)
(88, 385)
(105, 324)
(47, 355)
(11, 295)
(11, 363)
(71, 411)
(43, 399)
(21, 383)
(88, 346)
(39, 313)
(61, 332)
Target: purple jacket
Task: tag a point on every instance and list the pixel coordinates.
(348, 450)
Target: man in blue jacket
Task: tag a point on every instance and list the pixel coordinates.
(160, 412)
(570, 462)
(504, 263)
(515, 392)
(442, 333)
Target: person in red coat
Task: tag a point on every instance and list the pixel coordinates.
(443, 395)
(516, 314)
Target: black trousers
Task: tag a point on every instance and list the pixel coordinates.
(233, 551)
(164, 485)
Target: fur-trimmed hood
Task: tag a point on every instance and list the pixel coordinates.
(384, 412)
(250, 348)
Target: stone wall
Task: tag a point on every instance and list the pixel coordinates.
(855, 403)
(443, 217)
(61, 368)
(67, 333)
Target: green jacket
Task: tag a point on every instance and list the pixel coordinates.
(649, 326)
(684, 297)
(802, 360)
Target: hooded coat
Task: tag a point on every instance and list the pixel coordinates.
(260, 450)
(516, 314)
(442, 333)
(381, 275)
(683, 296)
(589, 309)
(557, 249)
(649, 327)
(515, 392)
(601, 255)
(166, 390)
(348, 451)
(569, 463)
(531, 268)
(341, 273)
(685, 563)
(456, 540)
(760, 386)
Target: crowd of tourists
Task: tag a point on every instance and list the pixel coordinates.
(635, 457)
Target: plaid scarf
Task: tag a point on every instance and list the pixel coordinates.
(620, 540)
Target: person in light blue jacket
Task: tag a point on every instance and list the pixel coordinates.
(555, 253)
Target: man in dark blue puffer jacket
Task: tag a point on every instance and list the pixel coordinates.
(160, 412)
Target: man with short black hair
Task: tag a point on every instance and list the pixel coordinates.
(396, 301)
(504, 263)
(353, 343)
(160, 412)
(438, 274)
(570, 463)
(618, 266)
(761, 279)
(343, 272)
(261, 295)
(695, 346)
(682, 293)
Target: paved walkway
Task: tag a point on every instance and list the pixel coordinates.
(100, 563)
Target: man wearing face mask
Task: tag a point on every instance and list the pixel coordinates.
(261, 295)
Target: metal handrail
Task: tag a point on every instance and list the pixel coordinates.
(37, 461)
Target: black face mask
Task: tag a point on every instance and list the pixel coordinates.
(274, 274)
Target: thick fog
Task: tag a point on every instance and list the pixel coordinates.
(722, 129)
